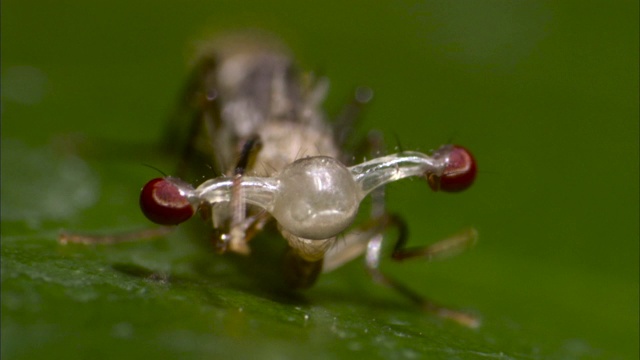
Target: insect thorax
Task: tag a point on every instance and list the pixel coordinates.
(261, 94)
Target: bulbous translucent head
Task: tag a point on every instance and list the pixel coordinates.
(163, 202)
(317, 198)
(460, 170)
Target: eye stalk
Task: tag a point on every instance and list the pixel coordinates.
(459, 172)
(164, 202)
(314, 198)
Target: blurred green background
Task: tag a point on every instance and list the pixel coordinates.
(544, 93)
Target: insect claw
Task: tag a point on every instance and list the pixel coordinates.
(238, 243)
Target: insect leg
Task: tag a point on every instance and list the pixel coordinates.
(372, 259)
(453, 245)
(344, 123)
(131, 236)
(368, 240)
(236, 240)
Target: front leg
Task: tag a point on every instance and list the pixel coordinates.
(236, 239)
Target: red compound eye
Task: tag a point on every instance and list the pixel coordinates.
(163, 203)
(460, 171)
